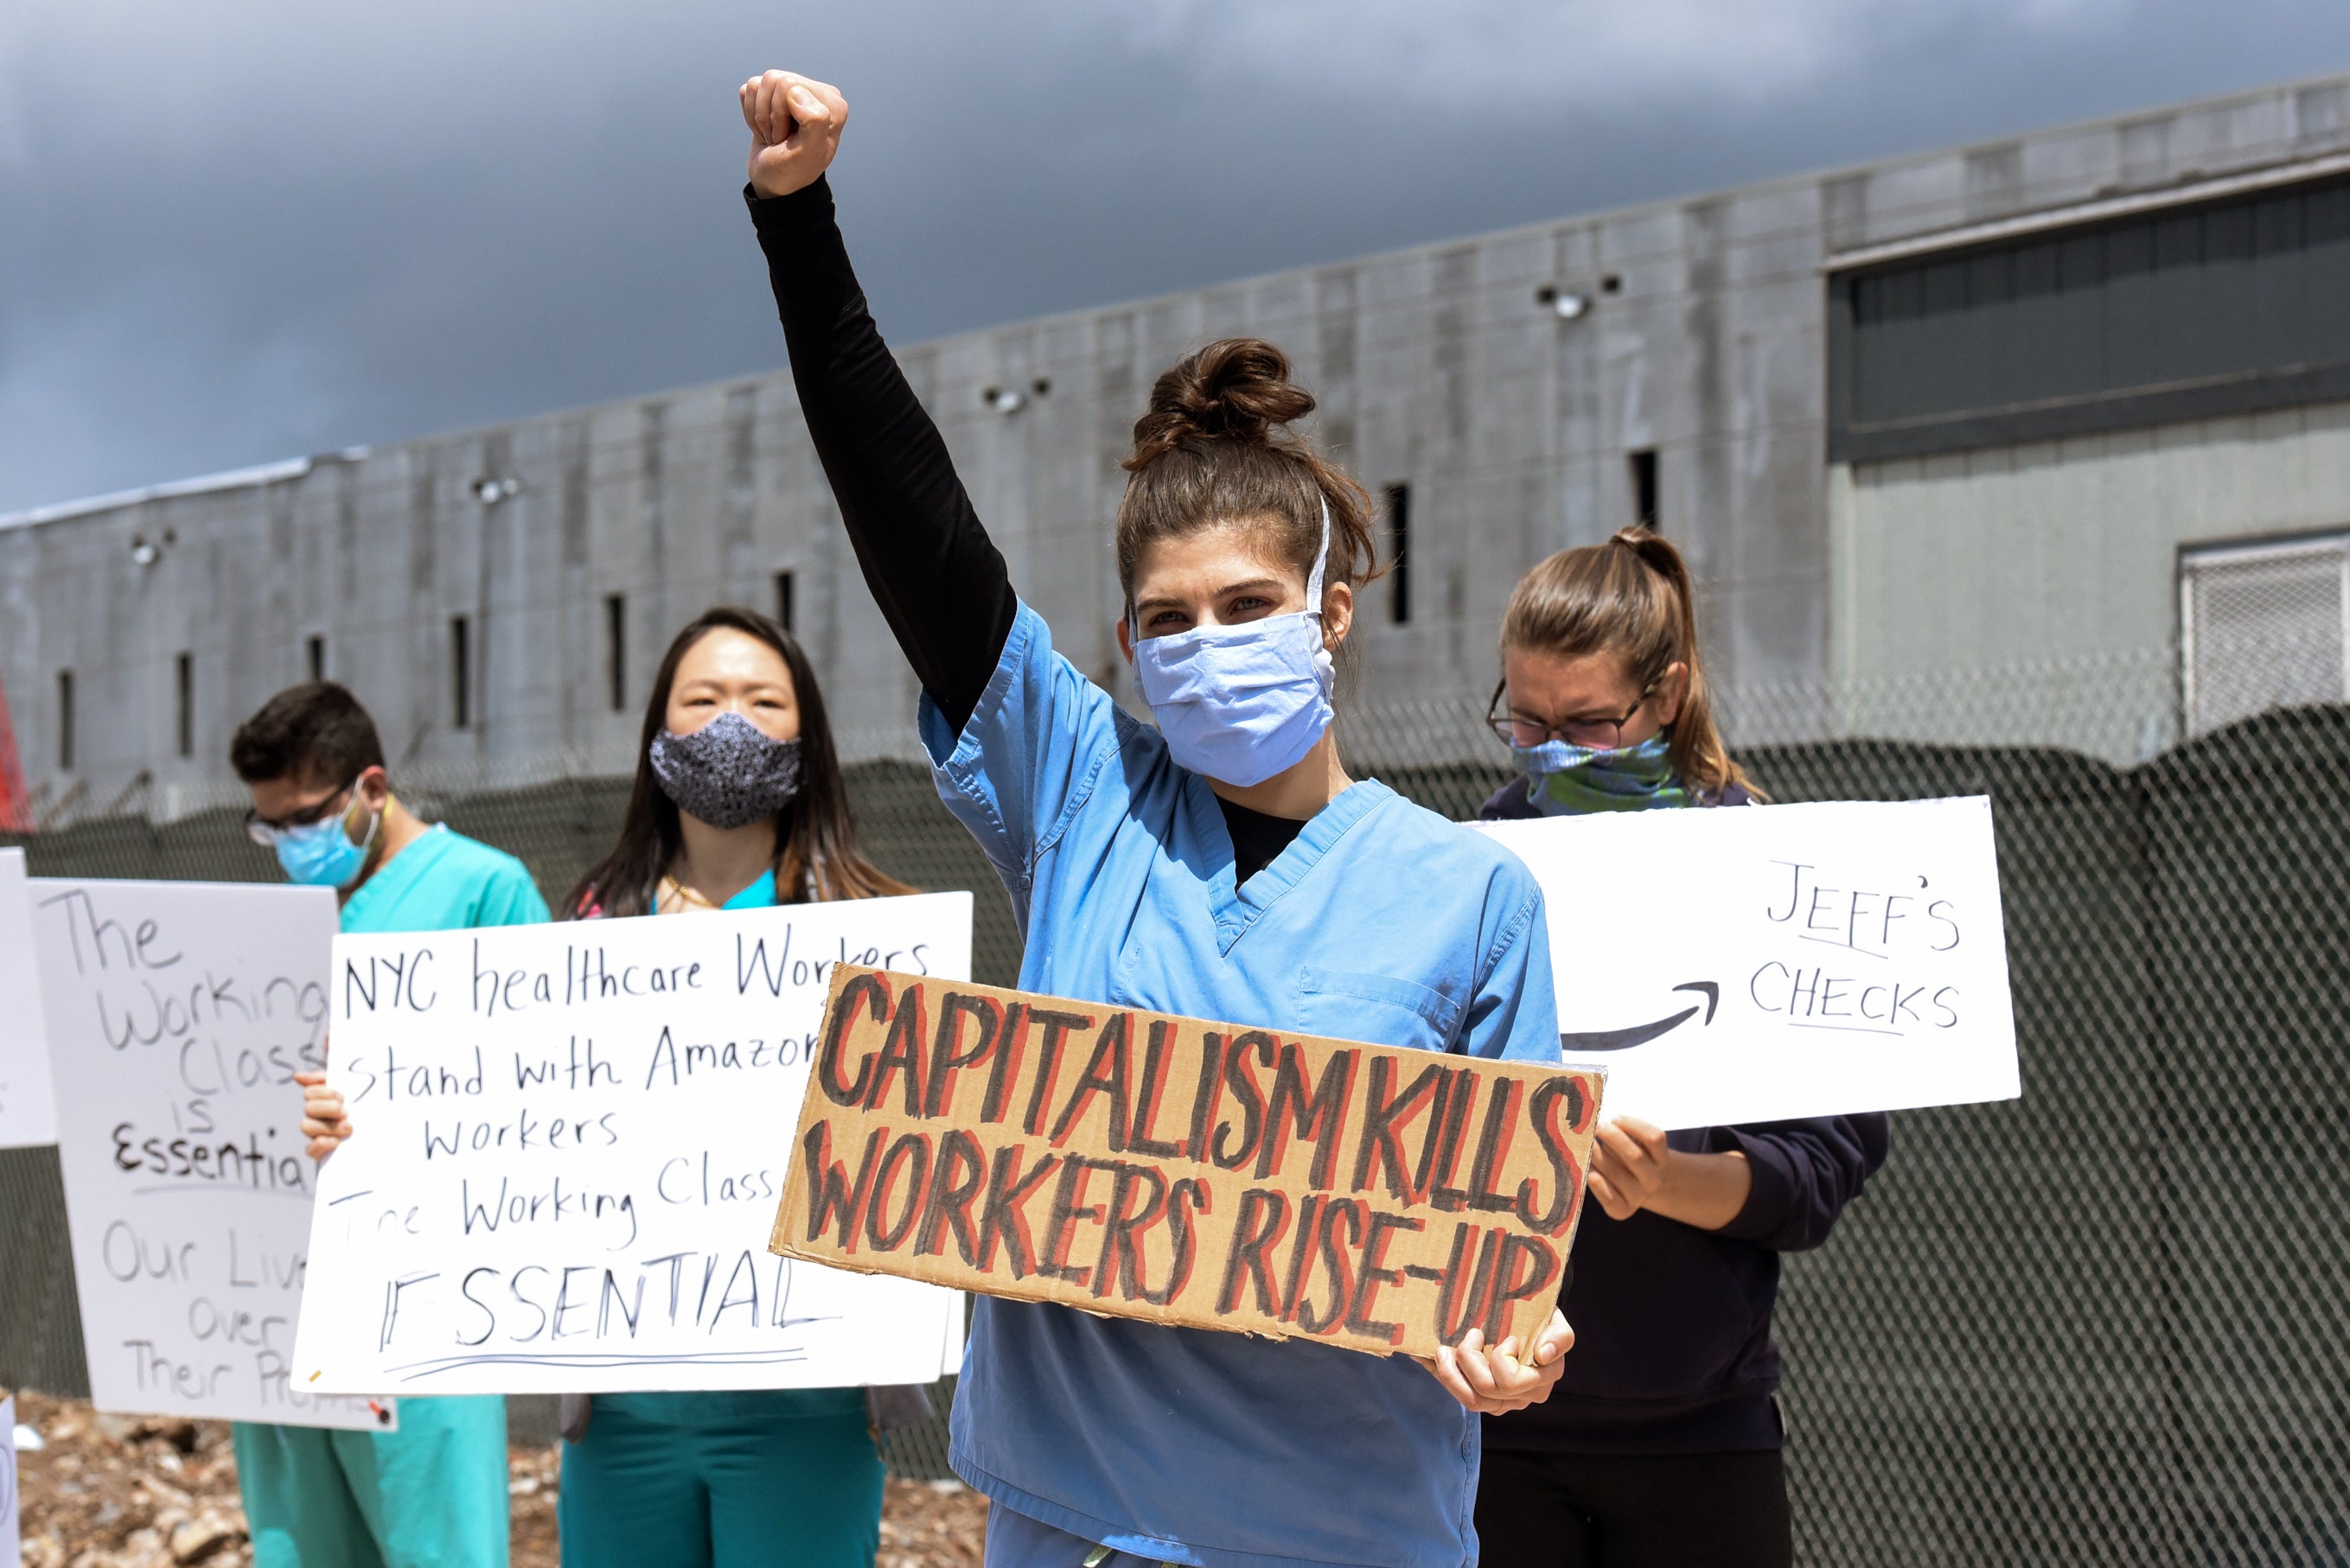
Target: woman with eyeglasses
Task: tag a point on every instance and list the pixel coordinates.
(1662, 1444)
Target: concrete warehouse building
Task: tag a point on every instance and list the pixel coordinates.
(2064, 418)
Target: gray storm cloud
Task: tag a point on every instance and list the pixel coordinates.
(241, 230)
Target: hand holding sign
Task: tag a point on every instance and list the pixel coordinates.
(1492, 1380)
(323, 1122)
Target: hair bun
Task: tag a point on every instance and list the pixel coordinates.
(1235, 389)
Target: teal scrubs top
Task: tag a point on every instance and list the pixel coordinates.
(445, 881)
(1380, 922)
(759, 895)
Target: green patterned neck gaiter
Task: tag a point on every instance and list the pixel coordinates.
(1569, 780)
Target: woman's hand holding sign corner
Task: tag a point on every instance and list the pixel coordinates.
(1492, 1380)
(1632, 1168)
(323, 1122)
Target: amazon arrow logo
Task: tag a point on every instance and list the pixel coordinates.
(1641, 1034)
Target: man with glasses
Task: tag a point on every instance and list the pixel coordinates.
(434, 1493)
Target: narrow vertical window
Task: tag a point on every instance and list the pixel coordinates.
(1398, 499)
(184, 679)
(1644, 487)
(460, 673)
(314, 650)
(65, 721)
(783, 599)
(616, 653)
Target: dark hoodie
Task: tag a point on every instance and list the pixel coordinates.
(1673, 1352)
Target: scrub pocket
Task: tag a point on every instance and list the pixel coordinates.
(1376, 1009)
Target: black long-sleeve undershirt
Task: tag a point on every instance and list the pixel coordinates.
(941, 582)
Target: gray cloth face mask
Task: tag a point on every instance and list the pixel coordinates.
(728, 774)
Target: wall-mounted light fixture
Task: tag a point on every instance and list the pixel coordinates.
(1004, 399)
(146, 552)
(490, 488)
(1564, 303)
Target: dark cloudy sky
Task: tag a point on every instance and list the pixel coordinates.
(242, 229)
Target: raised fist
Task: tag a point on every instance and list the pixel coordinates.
(795, 129)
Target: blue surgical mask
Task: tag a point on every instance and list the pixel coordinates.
(1241, 703)
(321, 854)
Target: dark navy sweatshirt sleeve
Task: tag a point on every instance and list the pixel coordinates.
(1805, 1173)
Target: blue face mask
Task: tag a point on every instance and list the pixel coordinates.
(321, 854)
(1241, 703)
(1568, 780)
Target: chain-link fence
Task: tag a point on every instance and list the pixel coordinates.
(2109, 1323)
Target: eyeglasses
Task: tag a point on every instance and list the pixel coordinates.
(1591, 735)
(266, 834)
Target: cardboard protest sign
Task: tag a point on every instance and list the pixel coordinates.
(1779, 961)
(178, 1014)
(568, 1142)
(1208, 1175)
(28, 1113)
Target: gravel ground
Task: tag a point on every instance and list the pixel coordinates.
(118, 1492)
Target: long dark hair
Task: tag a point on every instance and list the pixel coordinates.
(817, 858)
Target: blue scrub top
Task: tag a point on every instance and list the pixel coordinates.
(445, 881)
(1381, 922)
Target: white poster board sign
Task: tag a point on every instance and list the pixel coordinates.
(28, 1109)
(1772, 962)
(11, 1529)
(178, 1013)
(567, 1146)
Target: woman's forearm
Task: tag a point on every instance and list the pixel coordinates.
(1705, 1191)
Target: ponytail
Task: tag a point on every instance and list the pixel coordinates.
(1630, 597)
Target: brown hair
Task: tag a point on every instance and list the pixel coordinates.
(817, 858)
(1631, 598)
(1214, 448)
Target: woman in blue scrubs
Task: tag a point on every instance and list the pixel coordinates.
(1222, 865)
(1662, 1444)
